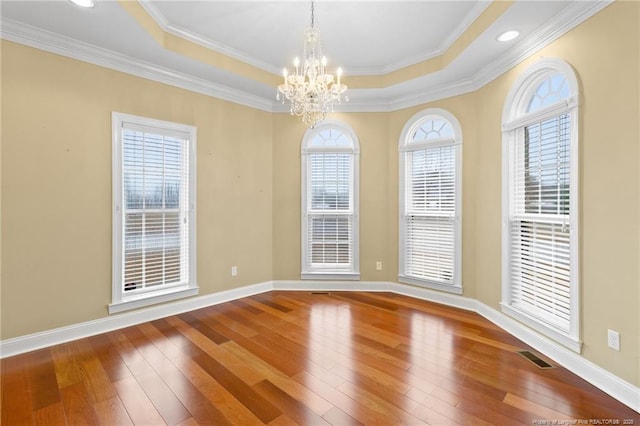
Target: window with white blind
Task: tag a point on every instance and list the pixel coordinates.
(153, 211)
(540, 178)
(330, 202)
(430, 197)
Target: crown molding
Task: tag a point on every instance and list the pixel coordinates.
(54, 43)
(431, 94)
(479, 7)
(562, 23)
(371, 104)
(373, 100)
(185, 34)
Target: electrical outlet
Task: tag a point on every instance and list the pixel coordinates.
(378, 266)
(234, 271)
(613, 340)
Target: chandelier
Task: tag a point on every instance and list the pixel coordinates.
(310, 89)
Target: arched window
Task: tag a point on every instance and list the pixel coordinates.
(330, 202)
(540, 201)
(430, 197)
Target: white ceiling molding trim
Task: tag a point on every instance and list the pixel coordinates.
(369, 102)
(463, 26)
(54, 43)
(562, 23)
(178, 31)
(362, 100)
(455, 88)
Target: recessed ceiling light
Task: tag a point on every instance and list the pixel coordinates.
(83, 3)
(508, 35)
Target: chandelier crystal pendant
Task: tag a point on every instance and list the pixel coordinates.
(311, 90)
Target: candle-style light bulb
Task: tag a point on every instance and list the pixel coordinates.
(296, 63)
(284, 73)
(339, 74)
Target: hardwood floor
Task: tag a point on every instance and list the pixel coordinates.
(285, 358)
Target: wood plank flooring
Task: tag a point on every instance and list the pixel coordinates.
(287, 358)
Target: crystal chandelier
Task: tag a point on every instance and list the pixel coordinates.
(310, 89)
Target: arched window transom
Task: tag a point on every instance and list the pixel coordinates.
(551, 90)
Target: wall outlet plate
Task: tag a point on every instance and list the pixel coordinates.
(613, 340)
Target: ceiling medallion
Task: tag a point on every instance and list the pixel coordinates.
(311, 90)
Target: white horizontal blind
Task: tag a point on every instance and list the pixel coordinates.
(430, 214)
(542, 175)
(540, 223)
(330, 211)
(330, 240)
(155, 209)
(331, 181)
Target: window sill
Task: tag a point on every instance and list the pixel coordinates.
(335, 276)
(533, 323)
(152, 299)
(455, 289)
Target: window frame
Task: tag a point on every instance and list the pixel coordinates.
(120, 301)
(514, 120)
(405, 145)
(328, 273)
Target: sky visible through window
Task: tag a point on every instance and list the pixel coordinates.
(552, 90)
(152, 179)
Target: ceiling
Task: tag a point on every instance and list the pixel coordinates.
(394, 54)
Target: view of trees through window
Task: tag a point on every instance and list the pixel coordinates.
(152, 178)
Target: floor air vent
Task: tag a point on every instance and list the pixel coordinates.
(320, 292)
(534, 359)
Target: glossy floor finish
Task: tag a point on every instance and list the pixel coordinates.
(284, 358)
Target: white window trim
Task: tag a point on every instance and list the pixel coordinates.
(119, 301)
(514, 118)
(353, 274)
(404, 146)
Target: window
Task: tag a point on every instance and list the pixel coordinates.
(430, 198)
(153, 212)
(330, 202)
(540, 200)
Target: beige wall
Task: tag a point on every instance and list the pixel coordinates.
(464, 109)
(56, 176)
(375, 208)
(56, 227)
(605, 53)
(0, 190)
(607, 65)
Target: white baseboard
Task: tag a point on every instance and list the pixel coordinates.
(613, 385)
(609, 383)
(31, 342)
(320, 285)
(616, 387)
